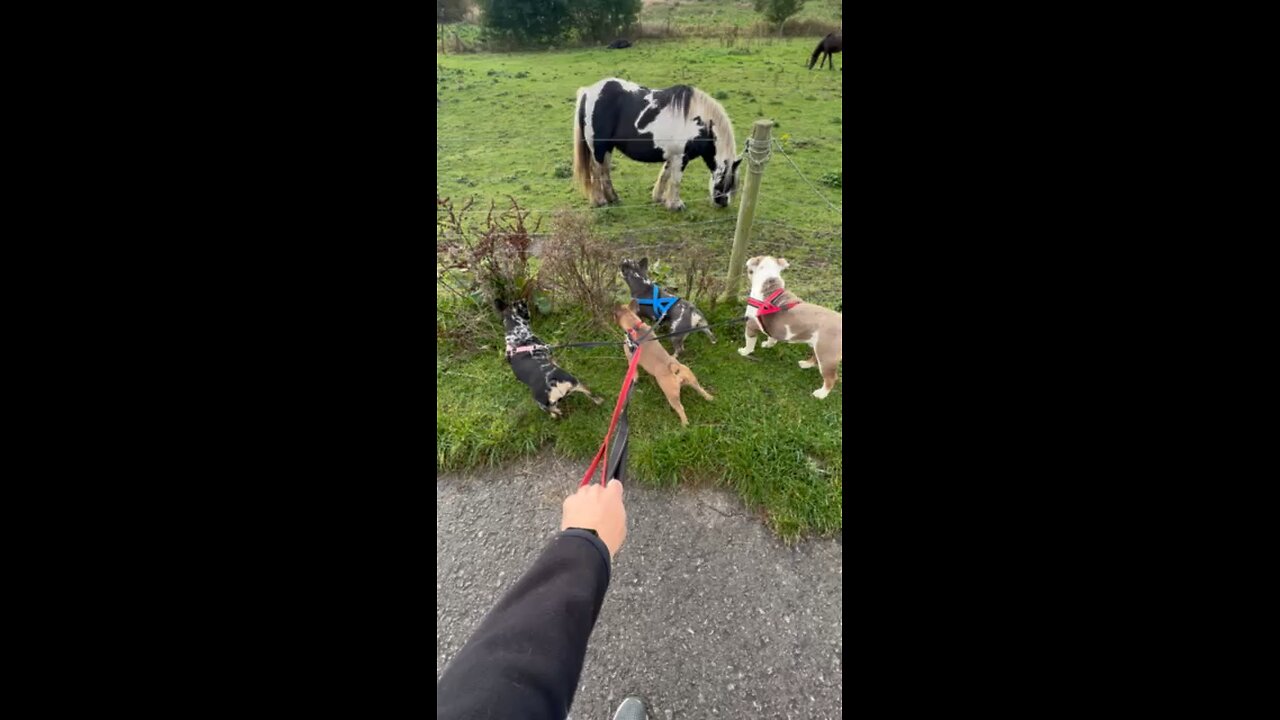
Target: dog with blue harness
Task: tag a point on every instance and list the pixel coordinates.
(654, 302)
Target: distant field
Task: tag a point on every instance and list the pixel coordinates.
(698, 17)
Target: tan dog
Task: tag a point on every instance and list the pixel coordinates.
(656, 361)
(815, 326)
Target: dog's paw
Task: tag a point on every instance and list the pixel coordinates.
(744, 351)
(805, 364)
(820, 392)
(597, 399)
(769, 343)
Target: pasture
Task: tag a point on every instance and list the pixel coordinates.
(504, 130)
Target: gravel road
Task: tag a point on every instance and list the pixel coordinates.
(708, 614)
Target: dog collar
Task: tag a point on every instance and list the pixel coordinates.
(633, 335)
(660, 304)
(766, 306)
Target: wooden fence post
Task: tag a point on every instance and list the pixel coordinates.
(757, 156)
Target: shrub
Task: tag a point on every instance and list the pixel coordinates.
(527, 22)
(603, 19)
(477, 262)
(777, 11)
(451, 11)
(580, 267)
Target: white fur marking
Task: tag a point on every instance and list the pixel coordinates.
(560, 390)
(789, 334)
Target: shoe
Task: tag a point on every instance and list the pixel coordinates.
(631, 709)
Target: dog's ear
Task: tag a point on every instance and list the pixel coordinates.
(783, 264)
(644, 264)
(499, 305)
(752, 263)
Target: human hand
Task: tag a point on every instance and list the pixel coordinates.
(595, 508)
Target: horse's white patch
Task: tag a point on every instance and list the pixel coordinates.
(652, 103)
(671, 132)
(588, 127)
(559, 390)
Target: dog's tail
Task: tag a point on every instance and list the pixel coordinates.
(581, 152)
(816, 52)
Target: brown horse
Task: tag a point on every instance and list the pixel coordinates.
(832, 43)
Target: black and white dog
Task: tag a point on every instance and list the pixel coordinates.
(531, 361)
(682, 316)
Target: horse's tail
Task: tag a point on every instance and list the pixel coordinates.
(581, 153)
(816, 52)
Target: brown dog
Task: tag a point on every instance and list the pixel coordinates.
(656, 361)
(815, 326)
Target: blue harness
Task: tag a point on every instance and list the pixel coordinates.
(660, 304)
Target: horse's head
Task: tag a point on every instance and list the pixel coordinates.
(724, 180)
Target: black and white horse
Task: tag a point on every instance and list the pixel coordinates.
(672, 126)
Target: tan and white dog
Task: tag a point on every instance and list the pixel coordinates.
(795, 322)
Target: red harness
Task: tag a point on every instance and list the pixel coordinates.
(766, 306)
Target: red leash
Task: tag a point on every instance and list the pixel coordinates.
(617, 409)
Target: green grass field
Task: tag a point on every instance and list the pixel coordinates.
(714, 17)
(504, 128)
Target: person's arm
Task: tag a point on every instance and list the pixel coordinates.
(525, 659)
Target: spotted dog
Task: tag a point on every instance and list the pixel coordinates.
(531, 361)
(781, 315)
(682, 316)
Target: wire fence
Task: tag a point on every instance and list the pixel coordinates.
(679, 247)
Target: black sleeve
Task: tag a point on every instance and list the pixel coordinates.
(525, 658)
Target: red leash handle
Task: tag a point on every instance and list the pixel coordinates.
(617, 410)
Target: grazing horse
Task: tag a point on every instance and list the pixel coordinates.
(832, 43)
(672, 126)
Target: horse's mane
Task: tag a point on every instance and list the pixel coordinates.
(704, 106)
